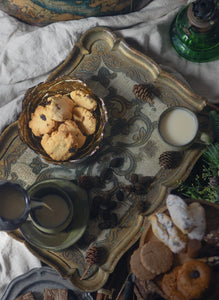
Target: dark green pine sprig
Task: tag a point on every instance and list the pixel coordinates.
(204, 184)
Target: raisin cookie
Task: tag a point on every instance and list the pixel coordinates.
(85, 120)
(83, 99)
(70, 126)
(40, 122)
(60, 107)
(60, 145)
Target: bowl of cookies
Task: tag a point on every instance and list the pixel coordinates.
(62, 120)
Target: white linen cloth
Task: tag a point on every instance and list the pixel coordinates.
(28, 54)
(15, 259)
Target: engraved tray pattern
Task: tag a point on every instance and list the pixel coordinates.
(110, 67)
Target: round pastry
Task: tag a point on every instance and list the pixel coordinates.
(179, 213)
(138, 269)
(70, 126)
(59, 145)
(85, 120)
(40, 122)
(164, 229)
(83, 99)
(199, 221)
(156, 257)
(60, 107)
(169, 285)
(193, 279)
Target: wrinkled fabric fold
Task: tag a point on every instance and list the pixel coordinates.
(29, 54)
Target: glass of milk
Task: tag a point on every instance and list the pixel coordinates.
(178, 126)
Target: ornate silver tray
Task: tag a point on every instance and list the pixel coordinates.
(111, 68)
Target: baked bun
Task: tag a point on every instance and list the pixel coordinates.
(179, 213)
(190, 219)
(169, 285)
(193, 279)
(199, 221)
(164, 229)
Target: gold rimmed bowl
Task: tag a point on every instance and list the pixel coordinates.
(38, 95)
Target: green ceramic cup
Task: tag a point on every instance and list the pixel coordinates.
(56, 213)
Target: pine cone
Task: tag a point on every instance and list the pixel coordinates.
(170, 159)
(92, 257)
(143, 92)
(213, 181)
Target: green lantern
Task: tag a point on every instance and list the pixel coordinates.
(195, 31)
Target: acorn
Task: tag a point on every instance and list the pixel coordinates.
(170, 159)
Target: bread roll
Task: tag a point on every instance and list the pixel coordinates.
(199, 221)
(164, 229)
(180, 213)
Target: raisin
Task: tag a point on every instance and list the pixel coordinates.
(43, 117)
